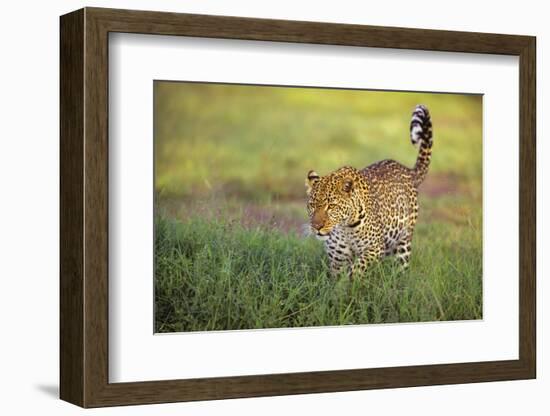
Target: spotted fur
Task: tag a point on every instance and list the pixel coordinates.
(364, 215)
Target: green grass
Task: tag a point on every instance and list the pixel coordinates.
(216, 275)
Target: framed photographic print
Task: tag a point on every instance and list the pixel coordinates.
(255, 207)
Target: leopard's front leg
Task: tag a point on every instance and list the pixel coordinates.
(339, 254)
(369, 255)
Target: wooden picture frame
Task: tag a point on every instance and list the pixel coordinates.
(84, 207)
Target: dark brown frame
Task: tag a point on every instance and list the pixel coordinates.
(84, 207)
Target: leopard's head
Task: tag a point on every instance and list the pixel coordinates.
(332, 199)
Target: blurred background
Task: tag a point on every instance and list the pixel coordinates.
(247, 149)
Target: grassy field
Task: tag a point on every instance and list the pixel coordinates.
(230, 166)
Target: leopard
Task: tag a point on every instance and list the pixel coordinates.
(365, 215)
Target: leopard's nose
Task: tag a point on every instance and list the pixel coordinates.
(317, 224)
(318, 219)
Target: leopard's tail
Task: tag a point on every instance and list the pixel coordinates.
(421, 136)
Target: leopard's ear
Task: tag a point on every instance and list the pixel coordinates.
(347, 185)
(312, 179)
